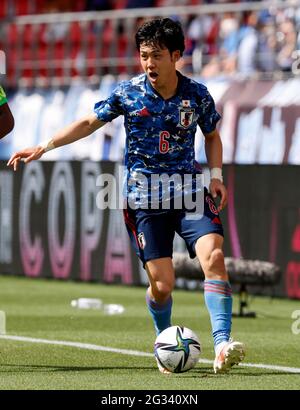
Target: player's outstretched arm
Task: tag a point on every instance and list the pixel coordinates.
(6, 120)
(73, 132)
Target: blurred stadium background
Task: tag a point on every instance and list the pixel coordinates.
(62, 56)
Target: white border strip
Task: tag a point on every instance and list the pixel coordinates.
(89, 346)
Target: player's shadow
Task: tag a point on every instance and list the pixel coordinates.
(194, 373)
(8, 367)
(235, 372)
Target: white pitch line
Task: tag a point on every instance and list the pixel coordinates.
(89, 346)
(79, 345)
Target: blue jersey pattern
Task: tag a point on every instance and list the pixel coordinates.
(160, 133)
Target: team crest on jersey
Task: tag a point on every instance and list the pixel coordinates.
(141, 240)
(186, 114)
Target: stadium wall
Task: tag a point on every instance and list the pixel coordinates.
(51, 226)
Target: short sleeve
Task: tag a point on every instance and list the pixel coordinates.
(209, 116)
(3, 99)
(111, 108)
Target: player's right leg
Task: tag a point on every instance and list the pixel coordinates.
(158, 298)
(151, 233)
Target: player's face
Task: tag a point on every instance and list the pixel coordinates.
(158, 64)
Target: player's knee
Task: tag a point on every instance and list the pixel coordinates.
(216, 258)
(215, 265)
(162, 291)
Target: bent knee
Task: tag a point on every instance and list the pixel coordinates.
(162, 290)
(214, 265)
(216, 258)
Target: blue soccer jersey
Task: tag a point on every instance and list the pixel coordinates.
(160, 133)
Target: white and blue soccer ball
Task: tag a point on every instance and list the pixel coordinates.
(177, 349)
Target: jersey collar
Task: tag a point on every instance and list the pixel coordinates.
(151, 91)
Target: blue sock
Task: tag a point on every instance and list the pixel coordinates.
(160, 312)
(218, 299)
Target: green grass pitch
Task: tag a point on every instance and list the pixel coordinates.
(38, 308)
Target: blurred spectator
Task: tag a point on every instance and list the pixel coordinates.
(229, 42)
(229, 27)
(267, 46)
(223, 43)
(248, 45)
(287, 40)
(203, 33)
(212, 69)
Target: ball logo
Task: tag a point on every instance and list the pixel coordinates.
(141, 240)
(212, 205)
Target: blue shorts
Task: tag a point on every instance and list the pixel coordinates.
(152, 231)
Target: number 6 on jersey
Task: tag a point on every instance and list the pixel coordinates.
(164, 144)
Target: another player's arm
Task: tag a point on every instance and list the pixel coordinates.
(7, 121)
(214, 153)
(73, 132)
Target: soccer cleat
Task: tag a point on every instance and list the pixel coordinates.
(162, 369)
(228, 355)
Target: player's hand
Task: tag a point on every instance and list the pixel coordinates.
(217, 188)
(26, 155)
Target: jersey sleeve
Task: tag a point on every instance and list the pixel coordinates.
(3, 99)
(111, 108)
(209, 116)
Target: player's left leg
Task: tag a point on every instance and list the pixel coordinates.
(218, 299)
(204, 238)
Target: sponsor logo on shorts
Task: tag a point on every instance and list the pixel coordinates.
(141, 240)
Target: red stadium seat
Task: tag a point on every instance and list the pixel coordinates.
(12, 35)
(75, 32)
(39, 6)
(27, 35)
(3, 9)
(22, 7)
(119, 4)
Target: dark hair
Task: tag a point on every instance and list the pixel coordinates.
(163, 33)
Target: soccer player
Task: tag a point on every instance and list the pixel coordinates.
(6, 118)
(161, 111)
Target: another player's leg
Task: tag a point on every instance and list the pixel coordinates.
(158, 296)
(218, 299)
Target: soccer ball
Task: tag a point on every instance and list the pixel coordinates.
(177, 349)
